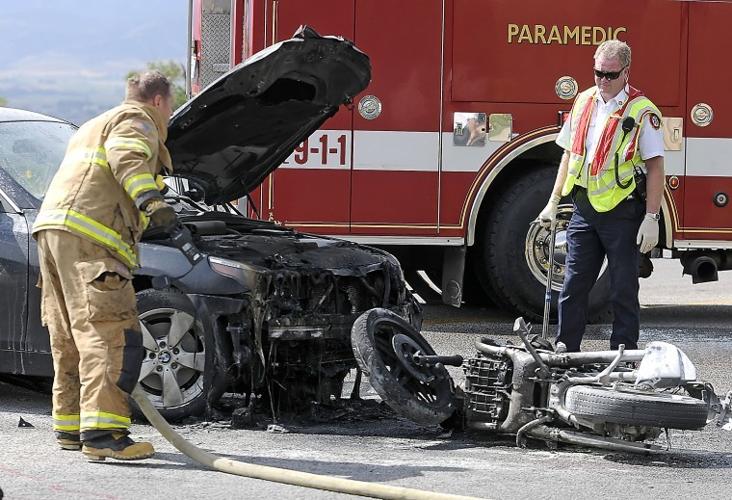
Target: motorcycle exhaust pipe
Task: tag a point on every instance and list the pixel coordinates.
(702, 267)
(543, 432)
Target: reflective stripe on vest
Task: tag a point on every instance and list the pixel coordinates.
(144, 220)
(66, 422)
(92, 420)
(603, 190)
(81, 224)
(97, 156)
(130, 144)
(138, 184)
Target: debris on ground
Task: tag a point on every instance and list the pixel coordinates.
(23, 423)
(243, 418)
(350, 410)
(277, 429)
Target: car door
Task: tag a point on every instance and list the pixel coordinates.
(37, 341)
(13, 284)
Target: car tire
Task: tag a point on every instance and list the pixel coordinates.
(651, 409)
(180, 378)
(501, 262)
(404, 390)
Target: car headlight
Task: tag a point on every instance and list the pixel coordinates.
(229, 268)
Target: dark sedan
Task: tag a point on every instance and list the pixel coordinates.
(268, 311)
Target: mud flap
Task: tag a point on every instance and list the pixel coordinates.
(453, 269)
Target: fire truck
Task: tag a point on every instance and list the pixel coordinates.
(449, 154)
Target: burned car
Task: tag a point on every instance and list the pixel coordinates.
(261, 309)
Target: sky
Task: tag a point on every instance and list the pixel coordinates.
(69, 58)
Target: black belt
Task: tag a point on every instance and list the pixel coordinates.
(633, 196)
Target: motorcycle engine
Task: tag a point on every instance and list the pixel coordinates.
(487, 391)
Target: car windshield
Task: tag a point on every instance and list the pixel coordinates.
(31, 152)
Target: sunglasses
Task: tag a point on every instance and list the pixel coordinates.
(608, 75)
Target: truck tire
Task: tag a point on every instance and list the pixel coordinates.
(502, 263)
(403, 386)
(180, 376)
(636, 408)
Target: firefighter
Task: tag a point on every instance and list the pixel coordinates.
(105, 193)
(612, 129)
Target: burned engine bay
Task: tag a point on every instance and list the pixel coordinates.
(283, 331)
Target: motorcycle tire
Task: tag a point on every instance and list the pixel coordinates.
(651, 409)
(404, 389)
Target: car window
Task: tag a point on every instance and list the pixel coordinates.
(31, 152)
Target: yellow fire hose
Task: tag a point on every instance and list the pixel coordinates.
(276, 474)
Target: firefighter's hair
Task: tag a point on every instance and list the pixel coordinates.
(614, 48)
(145, 86)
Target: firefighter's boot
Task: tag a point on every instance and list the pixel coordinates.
(116, 445)
(68, 440)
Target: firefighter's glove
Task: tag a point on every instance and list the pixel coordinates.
(647, 234)
(549, 214)
(161, 215)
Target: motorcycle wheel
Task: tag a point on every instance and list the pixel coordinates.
(383, 344)
(651, 409)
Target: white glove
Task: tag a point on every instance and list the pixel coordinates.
(549, 214)
(647, 234)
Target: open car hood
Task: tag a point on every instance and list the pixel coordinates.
(228, 138)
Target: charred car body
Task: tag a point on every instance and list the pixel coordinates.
(264, 310)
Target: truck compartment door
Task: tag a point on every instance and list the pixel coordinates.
(708, 181)
(312, 189)
(396, 133)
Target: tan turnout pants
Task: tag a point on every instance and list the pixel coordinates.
(88, 303)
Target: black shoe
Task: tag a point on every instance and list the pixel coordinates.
(116, 445)
(68, 440)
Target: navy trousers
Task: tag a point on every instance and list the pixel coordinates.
(591, 236)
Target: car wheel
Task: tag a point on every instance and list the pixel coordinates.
(651, 409)
(383, 344)
(512, 254)
(178, 360)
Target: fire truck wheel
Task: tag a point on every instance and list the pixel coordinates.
(511, 268)
(383, 344)
(630, 407)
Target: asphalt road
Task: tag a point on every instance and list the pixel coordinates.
(370, 443)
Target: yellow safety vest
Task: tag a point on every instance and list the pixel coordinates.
(603, 189)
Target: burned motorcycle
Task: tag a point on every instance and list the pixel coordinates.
(616, 400)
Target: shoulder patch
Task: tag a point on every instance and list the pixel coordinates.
(655, 121)
(142, 126)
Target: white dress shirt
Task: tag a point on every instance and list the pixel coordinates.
(650, 142)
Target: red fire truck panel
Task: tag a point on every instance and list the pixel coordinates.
(452, 144)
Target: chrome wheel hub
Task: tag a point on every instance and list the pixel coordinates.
(172, 371)
(538, 240)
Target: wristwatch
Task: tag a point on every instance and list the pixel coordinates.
(653, 216)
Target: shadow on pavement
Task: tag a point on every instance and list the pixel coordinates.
(678, 459)
(350, 470)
